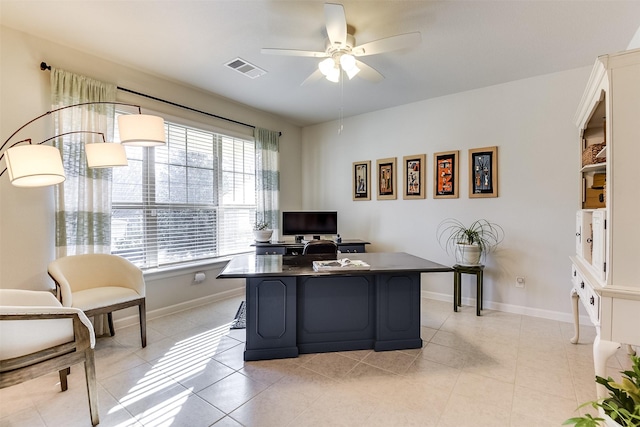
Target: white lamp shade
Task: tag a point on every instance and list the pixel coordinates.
(334, 75)
(351, 72)
(347, 62)
(141, 130)
(34, 166)
(105, 155)
(325, 66)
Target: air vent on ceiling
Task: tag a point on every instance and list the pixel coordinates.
(243, 67)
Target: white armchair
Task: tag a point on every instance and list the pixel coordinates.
(39, 336)
(100, 284)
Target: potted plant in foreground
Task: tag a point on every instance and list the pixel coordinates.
(261, 232)
(469, 243)
(621, 407)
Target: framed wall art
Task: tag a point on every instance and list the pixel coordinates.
(362, 180)
(414, 178)
(483, 172)
(386, 178)
(445, 175)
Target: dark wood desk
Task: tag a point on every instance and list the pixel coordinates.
(292, 309)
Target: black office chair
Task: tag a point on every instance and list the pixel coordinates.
(320, 247)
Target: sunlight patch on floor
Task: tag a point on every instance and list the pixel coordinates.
(164, 413)
(186, 359)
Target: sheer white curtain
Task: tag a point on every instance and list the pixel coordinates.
(267, 177)
(83, 201)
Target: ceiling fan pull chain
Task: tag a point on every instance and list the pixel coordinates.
(341, 102)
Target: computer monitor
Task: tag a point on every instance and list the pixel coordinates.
(314, 223)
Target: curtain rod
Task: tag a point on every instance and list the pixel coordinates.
(44, 66)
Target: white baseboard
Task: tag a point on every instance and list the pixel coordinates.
(507, 308)
(510, 308)
(176, 308)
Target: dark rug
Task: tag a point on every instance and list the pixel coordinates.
(240, 321)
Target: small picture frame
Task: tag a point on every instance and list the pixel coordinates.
(445, 175)
(362, 180)
(483, 172)
(386, 178)
(414, 177)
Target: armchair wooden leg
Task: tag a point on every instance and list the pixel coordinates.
(143, 322)
(92, 387)
(112, 331)
(63, 379)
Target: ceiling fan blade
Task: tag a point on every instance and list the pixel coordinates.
(336, 23)
(316, 75)
(387, 44)
(293, 52)
(369, 73)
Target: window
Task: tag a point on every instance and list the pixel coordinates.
(190, 200)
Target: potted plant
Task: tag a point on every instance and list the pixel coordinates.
(622, 406)
(470, 243)
(261, 232)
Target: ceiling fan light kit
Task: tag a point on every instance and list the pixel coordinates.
(348, 64)
(334, 75)
(331, 67)
(327, 65)
(341, 49)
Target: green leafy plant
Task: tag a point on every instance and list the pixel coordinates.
(261, 225)
(487, 235)
(623, 403)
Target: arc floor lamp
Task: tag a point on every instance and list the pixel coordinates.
(39, 165)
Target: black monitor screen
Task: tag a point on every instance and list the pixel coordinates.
(309, 222)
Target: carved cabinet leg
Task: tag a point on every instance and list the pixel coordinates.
(630, 350)
(576, 320)
(602, 351)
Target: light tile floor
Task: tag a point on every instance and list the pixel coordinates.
(499, 369)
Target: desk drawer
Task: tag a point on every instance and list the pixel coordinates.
(350, 249)
(270, 250)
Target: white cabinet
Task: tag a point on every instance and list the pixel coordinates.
(599, 237)
(606, 268)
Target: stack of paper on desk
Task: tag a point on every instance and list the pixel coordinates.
(340, 265)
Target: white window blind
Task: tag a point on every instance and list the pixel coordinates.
(190, 200)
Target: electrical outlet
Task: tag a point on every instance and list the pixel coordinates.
(519, 282)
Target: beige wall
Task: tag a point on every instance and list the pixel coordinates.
(531, 122)
(26, 215)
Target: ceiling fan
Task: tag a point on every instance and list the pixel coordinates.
(341, 49)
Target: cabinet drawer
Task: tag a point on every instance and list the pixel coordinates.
(349, 249)
(579, 284)
(592, 304)
(589, 298)
(270, 250)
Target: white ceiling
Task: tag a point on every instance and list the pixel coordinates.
(465, 44)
